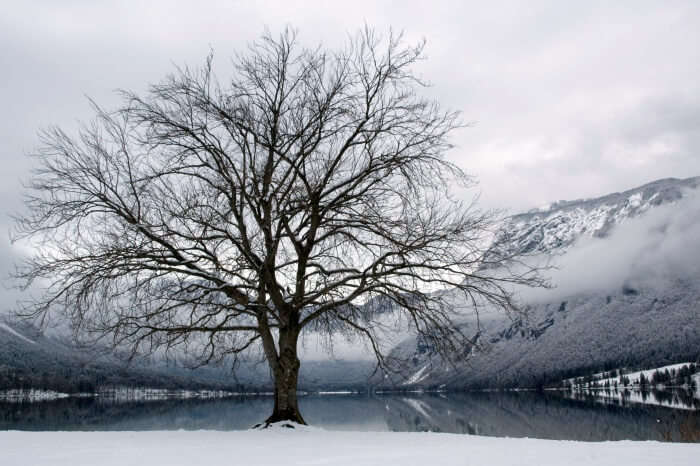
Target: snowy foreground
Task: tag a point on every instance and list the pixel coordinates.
(308, 446)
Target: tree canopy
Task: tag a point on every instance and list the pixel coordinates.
(310, 190)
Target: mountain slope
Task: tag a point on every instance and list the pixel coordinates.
(30, 358)
(626, 328)
(629, 293)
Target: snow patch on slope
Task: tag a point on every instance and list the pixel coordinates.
(421, 374)
(12, 331)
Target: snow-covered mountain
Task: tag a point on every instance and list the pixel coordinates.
(629, 293)
(558, 225)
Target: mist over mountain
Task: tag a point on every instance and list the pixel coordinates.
(648, 240)
(626, 292)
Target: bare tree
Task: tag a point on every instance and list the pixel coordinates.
(308, 192)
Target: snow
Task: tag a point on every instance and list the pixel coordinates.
(12, 331)
(648, 373)
(418, 376)
(635, 200)
(310, 446)
(634, 376)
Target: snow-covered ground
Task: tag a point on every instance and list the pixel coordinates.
(648, 374)
(632, 376)
(318, 447)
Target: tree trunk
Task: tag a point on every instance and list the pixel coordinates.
(286, 373)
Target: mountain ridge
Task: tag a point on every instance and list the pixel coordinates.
(559, 225)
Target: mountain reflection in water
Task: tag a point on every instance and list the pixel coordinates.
(549, 415)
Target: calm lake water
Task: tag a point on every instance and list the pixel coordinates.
(549, 415)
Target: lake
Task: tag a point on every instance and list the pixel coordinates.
(549, 415)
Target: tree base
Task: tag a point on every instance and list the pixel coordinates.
(283, 424)
(292, 416)
(287, 418)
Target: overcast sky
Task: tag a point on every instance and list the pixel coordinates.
(569, 99)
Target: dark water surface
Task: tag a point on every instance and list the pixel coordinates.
(550, 415)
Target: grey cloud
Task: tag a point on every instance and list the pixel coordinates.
(656, 138)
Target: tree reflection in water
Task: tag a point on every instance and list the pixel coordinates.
(582, 416)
